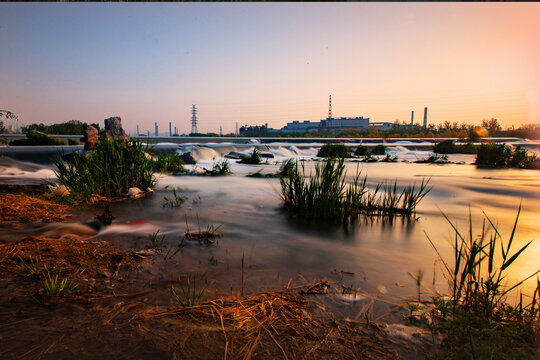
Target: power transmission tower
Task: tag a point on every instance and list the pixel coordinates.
(194, 119)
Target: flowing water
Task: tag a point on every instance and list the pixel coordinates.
(374, 255)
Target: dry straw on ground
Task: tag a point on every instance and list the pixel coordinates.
(25, 208)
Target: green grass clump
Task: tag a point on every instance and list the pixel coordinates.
(435, 159)
(191, 295)
(33, 267)
(450, 147)
(362, 150)
(71, 141)
(253, 159)
(334, 151)
(221, 168)
(379, 150)
(169, 163)
(502, 155)
(288, 168)
(37, 138)
(110, 170)
(477, 321)
(54, 286)
(326, 196)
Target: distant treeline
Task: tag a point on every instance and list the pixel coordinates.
(489, 128)
(71, 127)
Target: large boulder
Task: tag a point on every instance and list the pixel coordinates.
(90, 137)
(113, 129)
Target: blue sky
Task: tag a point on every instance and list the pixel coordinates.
(269, 63)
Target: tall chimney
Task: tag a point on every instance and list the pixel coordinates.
(170, 129)
(412, 118)
(137, 130)
(156, 128)
(425, 117)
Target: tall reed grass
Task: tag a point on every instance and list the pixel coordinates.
(326, 195)
(110, 170)
(478, 321)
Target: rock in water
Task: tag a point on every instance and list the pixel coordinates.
(134, 192)
(107, 216)
(90, 137)
(113, 129)
(188, 159)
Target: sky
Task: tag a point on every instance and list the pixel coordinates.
(257, 63)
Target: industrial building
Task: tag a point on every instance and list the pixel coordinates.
(301, 127)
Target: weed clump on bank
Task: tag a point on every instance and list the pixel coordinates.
(326, 196)
(334, 151)
(379, 150)
(253, 159)
(502, 155)
(362, 150)
(221, 168)
(109, 171)
(477, 321)
(35, 138)
(169, 163)
(450, 147)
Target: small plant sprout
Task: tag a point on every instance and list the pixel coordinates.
(175, 201)
(190, 295)
(418, 278)
(412, 307)
(156, 241)
(32, 267)
(54, 286)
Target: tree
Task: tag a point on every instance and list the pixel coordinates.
(8, 115)
(492, 125)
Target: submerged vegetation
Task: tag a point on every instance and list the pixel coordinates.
(477, 321)
(501, 155)
(334, 151)
(326, 196)
(156, 241)
(174, 201)
(110, 170)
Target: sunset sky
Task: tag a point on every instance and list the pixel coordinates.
(256, 63)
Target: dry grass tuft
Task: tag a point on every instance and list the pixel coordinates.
(206, 237)
(26, 208)
(72, 257)
(268, 326)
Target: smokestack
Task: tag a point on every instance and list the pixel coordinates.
(156, 128)
(170, 129)
(137, 130)
(425, 117)
(412, 118)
